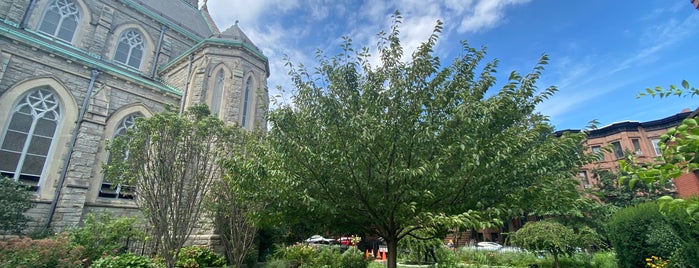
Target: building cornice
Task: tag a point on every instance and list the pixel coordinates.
(76, 55)
(632, 126)
(217, 42)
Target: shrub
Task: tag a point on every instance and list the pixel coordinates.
(104, 234)
(14, 201)
(604, 259)
(126, 260)
(445, 256)
(199, 256)
(296, 255)
(42, 253)
(326, 256)
(639, 232)
(353, 258)
(495, 258)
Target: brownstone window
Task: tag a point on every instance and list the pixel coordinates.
(584, 179)
(656, 146)
(29, 135)
(618, 152)
(596, 149)
(637, 146)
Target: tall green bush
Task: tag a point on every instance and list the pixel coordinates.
(105, 234)
(199, 256)
(638, 232)
(127, 260)
(15, 200)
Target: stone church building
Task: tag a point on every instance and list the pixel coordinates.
(75, 73)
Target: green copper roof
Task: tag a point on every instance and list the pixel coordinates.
(196, 36)
(236, 43)
(67, 51)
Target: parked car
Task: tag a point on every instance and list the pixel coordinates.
(345, 240)
(317, 239)
(488, 246)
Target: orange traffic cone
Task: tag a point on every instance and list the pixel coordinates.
(383, 257)
(366, 255)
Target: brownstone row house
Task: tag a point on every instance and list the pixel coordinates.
(75, 73)
(639, 138)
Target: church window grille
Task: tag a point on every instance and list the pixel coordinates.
(246, 102)
(120, 191)
(29, 136)
(217, 93)
(60, 20)
(129, 50)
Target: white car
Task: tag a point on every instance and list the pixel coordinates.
(488, 246)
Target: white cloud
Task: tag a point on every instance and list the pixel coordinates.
(290, 27)
(485, 14)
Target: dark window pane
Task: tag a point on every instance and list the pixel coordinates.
(50, 22)
(14, 141)
(8, 161)
(122, 52)
(135, 60)
(33, 165)
(67, 29)
(21, 122)
(39, 145)
(45, 127)
(26, 109)
(29, 180)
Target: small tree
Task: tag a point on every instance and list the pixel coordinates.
(172, 161)
(549, 236)
(234, 211)
(15, 200)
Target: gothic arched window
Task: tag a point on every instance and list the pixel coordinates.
(217, 93)
(246, 101)
(60, 20)
(29, 135)
(130, 48)
(120, 191)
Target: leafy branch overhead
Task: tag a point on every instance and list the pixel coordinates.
(679, 148)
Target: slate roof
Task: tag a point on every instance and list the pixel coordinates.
(235, 33)
(181, 13)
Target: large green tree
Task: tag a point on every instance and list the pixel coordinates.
(172, 161)
(410, 145)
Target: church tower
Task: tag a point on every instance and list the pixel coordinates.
(228, 72)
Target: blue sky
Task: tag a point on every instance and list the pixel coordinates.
(602, 53)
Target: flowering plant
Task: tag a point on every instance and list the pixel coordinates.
(656, 262)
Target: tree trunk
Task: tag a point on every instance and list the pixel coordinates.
(392, 244)
(555, 261)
